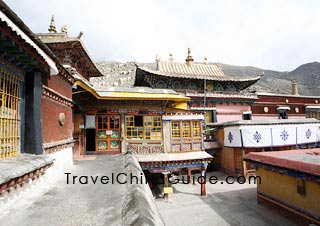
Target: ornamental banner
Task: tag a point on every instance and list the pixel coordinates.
(256, 136)
(308, 133)
(284, 135)
(232, 137)
(271, 135)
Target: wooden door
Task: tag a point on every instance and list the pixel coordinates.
(108, 133)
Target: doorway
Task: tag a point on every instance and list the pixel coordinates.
(90, 140)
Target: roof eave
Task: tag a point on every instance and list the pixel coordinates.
(44, 49)
(78, 41)
(217, 78)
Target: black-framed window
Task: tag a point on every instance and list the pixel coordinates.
(246, 116)
(214, 116)
(283, 114)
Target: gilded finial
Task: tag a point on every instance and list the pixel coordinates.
(157, 62)
(52, 27)
(64, 29)
(157, 58)
(189, 59)
(80, 35)
(171, 57)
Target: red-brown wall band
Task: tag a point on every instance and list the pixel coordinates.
(60, 85)
(52, 130)
(271, 103)
(56, 99)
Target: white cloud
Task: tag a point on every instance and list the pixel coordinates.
(275, 34)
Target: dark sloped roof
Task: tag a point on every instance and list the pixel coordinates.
(25, 29)
(196, 71)
(16, 20)
(77, 45)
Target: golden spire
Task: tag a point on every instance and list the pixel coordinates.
(52, 27)
(189, 59)
(157, 62)
(64, 29)
(171, 57)
(294, 88)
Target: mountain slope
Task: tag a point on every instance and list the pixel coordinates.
(306, 75)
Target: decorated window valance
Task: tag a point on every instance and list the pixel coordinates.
(182, 117)
(271, 135)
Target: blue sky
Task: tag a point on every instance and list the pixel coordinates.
(273, 34)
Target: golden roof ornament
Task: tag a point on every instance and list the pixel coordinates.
(189, 59)
(64, 29)
(171, 57)
(294, 88)
(52, 27)
(157, 62)
(80, 35)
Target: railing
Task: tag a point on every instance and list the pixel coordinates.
(145, 148)
(9, 117)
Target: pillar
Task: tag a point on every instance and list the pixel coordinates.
(33, 123)
(203, 183)
(22, 115)
(165, 184)
(244, 164)
(189, 175)
(122, 135)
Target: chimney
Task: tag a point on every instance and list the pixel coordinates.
(294, 88)
(189, 59)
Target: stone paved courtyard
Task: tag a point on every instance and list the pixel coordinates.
(58, 204)
(224, 205)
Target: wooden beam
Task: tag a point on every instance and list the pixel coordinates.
(7, 43)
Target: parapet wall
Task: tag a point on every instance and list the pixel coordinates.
(139, 207)
(19, 173)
